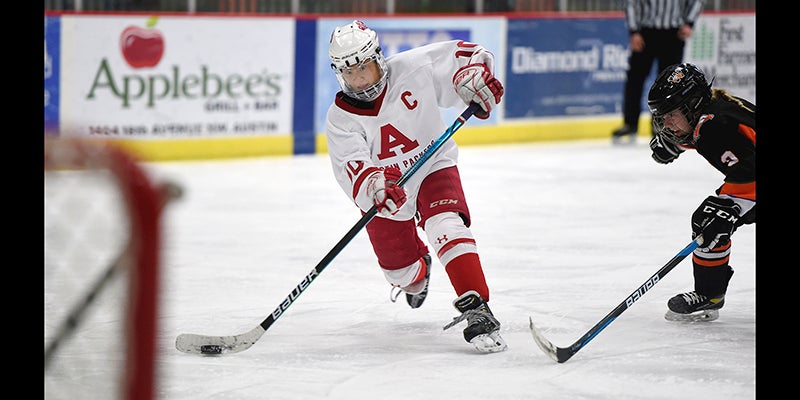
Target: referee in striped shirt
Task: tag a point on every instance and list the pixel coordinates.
(658, 31)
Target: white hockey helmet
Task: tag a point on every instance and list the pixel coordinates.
(354, 44)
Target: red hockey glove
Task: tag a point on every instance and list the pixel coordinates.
(475, 83)
(386, 195)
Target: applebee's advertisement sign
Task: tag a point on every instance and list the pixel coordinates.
(128, 77)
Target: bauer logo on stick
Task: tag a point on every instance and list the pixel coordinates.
(211, 349)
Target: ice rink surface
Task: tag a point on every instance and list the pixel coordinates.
(566, 231)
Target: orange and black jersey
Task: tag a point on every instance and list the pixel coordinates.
(726, 137)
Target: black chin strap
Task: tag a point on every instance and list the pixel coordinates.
(364, 105)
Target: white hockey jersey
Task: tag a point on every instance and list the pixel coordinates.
(402, 122)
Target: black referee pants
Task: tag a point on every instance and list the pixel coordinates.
(662, 45)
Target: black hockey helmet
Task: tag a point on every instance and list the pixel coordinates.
(681, 86)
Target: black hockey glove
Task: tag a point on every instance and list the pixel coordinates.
(664, 151)
(715, 220)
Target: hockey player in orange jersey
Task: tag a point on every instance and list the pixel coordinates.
(689, 115)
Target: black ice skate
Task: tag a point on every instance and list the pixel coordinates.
(694, 306)
(483, 329)
(415, 300)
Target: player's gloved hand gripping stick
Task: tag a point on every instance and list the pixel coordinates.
(204, 344)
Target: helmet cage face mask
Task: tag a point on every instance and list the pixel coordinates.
(659, 126)
(356, 46)
(373, 91)
(679, 87)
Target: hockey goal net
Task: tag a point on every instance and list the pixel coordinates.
(101, 269)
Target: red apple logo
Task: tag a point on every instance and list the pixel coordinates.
(142, 47)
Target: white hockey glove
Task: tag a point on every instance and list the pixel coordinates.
(386, 195)
(475, 83)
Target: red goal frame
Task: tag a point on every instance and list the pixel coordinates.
(144, 202)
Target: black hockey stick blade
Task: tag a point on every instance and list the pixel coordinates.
(216, 345)
(562, 354)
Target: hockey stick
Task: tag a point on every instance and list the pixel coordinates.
(204, 344)
(75, 316)
(562, 354)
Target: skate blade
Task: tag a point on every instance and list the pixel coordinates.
(489, 343)
(700, 316)
(626, 140)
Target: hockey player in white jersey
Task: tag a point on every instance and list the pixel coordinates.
(383, 119)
